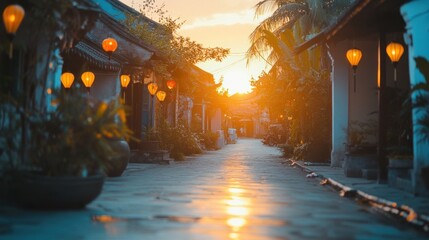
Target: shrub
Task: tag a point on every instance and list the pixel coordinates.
(210, 140)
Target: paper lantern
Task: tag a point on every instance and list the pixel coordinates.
(354, 56)
(12, 18)
(171, 84)
(125, 80)
(152, 87)
(88, 79)
(161, 95)
(67, 79)
(109, 45)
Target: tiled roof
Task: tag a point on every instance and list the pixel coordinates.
(84, 50)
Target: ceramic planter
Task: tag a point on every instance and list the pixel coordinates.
(44, 192)
(119, 162)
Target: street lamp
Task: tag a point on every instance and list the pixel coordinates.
(395, 51)
(88, 79)
(109, 45)
(67, 79)
(12, 18)
(353, 56)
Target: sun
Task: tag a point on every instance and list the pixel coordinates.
(236, 82)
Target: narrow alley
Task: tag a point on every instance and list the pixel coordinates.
(243, 191)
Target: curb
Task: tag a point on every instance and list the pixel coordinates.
(401, 212)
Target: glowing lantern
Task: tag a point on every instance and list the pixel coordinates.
(171, 84)
(353, 56)
(161, 95)
(125, 80)
(152, 87)
(395, 51)
(12, 18)
(88, 79)
(109, 45)
(67, 79)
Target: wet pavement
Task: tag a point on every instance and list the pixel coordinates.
(242, 191)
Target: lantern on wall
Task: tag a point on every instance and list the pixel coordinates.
(67, 79)
(125, 80)
(109, 45)
(88, 79)
(152, 88)
(12, 18)
(171, 84)
(394, 51)
(354, 56)
(161, 95)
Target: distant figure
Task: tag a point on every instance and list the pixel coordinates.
(241, 131)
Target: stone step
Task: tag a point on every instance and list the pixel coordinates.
(404, 184)
(370, 173)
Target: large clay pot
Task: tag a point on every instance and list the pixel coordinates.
(117, 164)
(44, 192)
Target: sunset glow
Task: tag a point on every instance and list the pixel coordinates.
(225, 24)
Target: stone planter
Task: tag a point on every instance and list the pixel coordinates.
(119, 161)
(44, 192)
(399, 168)
(355, 163)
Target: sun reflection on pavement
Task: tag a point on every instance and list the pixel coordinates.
(237, 208)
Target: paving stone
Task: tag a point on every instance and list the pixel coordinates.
(243, 191)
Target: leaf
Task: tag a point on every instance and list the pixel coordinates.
(423, 65)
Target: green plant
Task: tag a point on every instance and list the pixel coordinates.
(179, 140)
(210, 140)
(72, 140)
(421, 102)
(360, 136)
(10, 134)
(151, 134)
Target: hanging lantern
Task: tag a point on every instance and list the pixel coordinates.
(12, 18)
(125, 80)
(152, 87)
(395, 51)
(109, 45)
(161, 95)
(353, 56)
(171, 84)
(67, 79)
(88, 79)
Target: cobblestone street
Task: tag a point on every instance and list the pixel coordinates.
(242, 191)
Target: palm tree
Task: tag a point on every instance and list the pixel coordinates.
(302, 79)
(302, 17)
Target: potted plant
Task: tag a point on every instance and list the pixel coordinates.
(151, 140)
(67, 151)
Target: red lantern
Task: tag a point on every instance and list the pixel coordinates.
(109, 45)
(171, 84)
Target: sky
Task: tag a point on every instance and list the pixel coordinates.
(219, 23)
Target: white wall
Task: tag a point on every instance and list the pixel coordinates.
(340, 98)
(416, 16)
(106, 85)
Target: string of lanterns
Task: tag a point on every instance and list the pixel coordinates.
(12, 18)
(394, 50)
